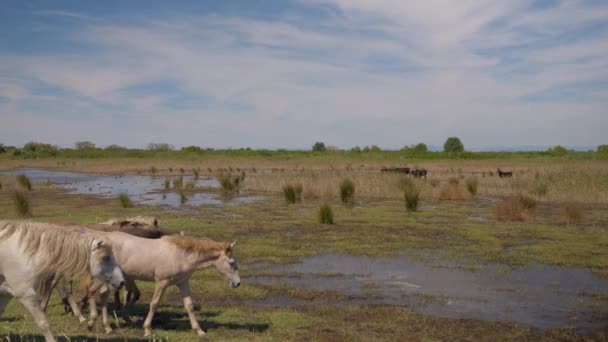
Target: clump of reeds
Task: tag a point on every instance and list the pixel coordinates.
(450, 192)
(472, 184)
(190, 185)
(571, 213)
(326, 214)
(181, 170)
(434, 182)
(153, 170)
(514, 208)
(0, 185)
(178, 182)
(453, 181)
(196, 174)
(540, 189)
(24, 182)
(22, 204)
(231, 183)
(292, 193)
(125, 200)
(404, 182)
(183, 198)
(412, 197)
(347, 191)
(167, 183)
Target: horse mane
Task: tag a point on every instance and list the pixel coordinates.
(205, 248)
(55, 249)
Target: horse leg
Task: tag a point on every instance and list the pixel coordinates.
(4, 300)
(104, 311)
(31, 301)
(184, 289)
(159, 290)
(117, 302)
(134, 291)
(92, 311)
(66, 297)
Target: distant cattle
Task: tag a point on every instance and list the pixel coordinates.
(503, 174)
(405, 170)
(419, 173)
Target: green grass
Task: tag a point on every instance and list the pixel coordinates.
(22, 204)
(125, 200)
(347, 192)
(326, 214)
(269, 231)
(24, 182)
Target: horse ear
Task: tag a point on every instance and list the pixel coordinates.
(97, 244)
(230, 246)
(155, 222)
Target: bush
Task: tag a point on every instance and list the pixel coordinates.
(167, 183)
(453, 144)
(557, 150)
(24, 182)
(453, 181)
(153, 170)
(0, 185)
(472, 185)
(434, 182)
(84, 145)
(40, 149)
(412, 198)
(22, 204)
(420, 147)
(160, 147)
(326, 214)
(602, 148)
(571, 213)
(125, 200)
(196, 174)
(347, 191)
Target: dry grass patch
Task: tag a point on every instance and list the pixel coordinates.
(514, 208)
(450, 192)
(571, 213)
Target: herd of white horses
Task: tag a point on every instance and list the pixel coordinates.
(36, 258)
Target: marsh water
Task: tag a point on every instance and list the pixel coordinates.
(141, 189)
(537, 296)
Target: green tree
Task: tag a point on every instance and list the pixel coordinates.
(319, 147)
(164, 147)
(420, 147)
(558, 149)
(84, 145)
(602, 148)
(453, 144)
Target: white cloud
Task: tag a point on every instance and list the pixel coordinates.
(285, 83)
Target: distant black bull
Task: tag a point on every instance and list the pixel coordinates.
(405, 170)
(503, 174)
(419, 173)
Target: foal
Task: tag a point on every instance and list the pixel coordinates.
(170, 260)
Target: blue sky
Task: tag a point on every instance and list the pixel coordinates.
(284, 74)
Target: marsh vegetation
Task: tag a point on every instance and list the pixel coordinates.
(551, 212)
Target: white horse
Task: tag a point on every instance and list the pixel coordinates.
(170, 260)
(32, 252)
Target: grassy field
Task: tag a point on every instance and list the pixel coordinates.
(566, 225)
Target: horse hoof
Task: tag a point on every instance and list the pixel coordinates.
(81, 319)
(108, 330)
(200, 332)
(147, 333)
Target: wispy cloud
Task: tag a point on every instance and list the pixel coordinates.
(369, 72)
